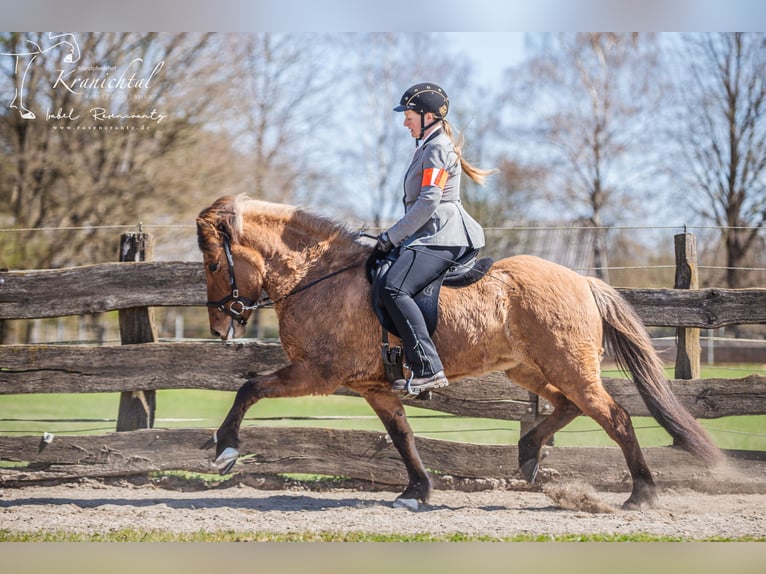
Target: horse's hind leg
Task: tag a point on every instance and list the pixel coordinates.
(564, 411)
(615, 420)
(585, 394)
(390, 410)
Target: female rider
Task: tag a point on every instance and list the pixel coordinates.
(434, 232)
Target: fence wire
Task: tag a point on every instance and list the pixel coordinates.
(41, 431)
(141, 226)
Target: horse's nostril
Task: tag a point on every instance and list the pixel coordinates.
(215, 333)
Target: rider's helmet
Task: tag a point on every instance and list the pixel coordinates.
(423, 98)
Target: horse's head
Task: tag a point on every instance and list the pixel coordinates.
(234, 273)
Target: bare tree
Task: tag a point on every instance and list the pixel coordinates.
(381, 67)
(287, 86)
(89, 147)
(581, 106)
(722, 138)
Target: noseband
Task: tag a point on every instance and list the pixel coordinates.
(239, 304)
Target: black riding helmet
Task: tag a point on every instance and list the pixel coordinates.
(424, 98)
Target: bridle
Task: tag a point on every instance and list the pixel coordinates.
(241, 304)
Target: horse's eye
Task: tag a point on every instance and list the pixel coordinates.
(213, 267)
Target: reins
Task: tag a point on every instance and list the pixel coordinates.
(241, 304)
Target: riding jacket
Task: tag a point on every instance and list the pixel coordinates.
(433, 213)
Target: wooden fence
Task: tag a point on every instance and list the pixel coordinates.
(143, 367)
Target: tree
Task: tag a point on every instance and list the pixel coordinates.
(100, 117)
(285, 90)
(722, 138)
(582, 104)
(381, 67)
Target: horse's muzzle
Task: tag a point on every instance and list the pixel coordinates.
(232, 331)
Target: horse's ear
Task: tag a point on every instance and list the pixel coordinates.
(220, 227)
(204, 225)
(223, 228)
(219, 219)
(208, 234)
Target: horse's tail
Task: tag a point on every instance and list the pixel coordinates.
(626, 336)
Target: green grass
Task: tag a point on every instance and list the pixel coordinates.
(38, 413)
(138, 535)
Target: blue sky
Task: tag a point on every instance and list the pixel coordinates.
(490, 52)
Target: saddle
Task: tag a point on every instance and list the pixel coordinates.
(465, 271)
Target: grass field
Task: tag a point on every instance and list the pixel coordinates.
(138, 535)
(95, 413)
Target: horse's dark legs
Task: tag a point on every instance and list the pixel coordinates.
(390, 410)
(593, 401)
(295, 380)
(531, 444)
(617, 424)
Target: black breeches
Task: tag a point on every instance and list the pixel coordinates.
(414, 269)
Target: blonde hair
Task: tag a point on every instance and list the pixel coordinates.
(476, 174)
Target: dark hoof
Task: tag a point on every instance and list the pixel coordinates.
(529, 470)
(643, 496)
(414, 493)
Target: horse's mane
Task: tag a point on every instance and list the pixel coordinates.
(227, 215)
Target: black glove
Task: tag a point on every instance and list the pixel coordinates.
(384, 243)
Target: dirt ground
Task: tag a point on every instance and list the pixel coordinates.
(89, 506)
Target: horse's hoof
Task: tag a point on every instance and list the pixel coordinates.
(631, 504)
(408, 503)
(226, 460)
(529, 470)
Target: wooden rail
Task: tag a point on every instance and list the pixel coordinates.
(162, 366)
(110, 286)
(151, 366)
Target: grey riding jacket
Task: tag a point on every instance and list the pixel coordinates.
(433, 213)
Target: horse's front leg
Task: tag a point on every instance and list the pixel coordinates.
(390, 410)
(295, 380)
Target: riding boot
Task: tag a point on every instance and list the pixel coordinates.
(416, 385)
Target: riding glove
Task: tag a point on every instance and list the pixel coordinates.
(384, 243)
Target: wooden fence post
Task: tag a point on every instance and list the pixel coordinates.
(537, 411)
(688, 339)
(137, 408)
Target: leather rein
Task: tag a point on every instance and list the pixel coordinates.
(240, 304)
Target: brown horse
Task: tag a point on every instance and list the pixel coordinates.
(540, 323)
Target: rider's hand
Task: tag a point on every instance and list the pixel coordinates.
(384, 243)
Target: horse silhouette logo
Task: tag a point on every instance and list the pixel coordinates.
(26, 57)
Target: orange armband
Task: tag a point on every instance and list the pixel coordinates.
(434, 176)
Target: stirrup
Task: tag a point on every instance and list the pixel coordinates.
(436, 381)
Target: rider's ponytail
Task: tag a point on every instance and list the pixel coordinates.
(477, 174)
